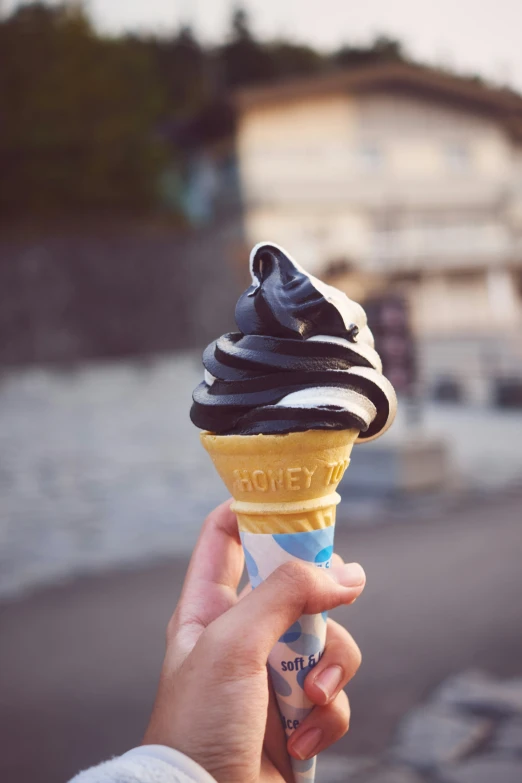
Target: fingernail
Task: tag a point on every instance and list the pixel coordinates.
(308, 743)
(349, 575)
(329, 680)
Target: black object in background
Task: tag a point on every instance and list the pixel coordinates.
(389, 320)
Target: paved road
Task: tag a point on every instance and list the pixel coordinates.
(79, 662)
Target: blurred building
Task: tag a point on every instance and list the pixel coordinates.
(400, 177)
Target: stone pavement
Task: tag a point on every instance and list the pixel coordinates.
(100, 466)
(470, 731)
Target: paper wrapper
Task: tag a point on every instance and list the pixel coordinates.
(301, 647)
(285, 501)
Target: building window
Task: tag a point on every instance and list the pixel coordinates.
(457, 157)
(371, 157)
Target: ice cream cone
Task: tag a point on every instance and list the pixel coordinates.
(284, 489)
(282, 483)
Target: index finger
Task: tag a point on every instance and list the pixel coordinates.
(213, 574)
(251, 628)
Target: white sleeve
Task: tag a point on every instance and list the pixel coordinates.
(147, 764)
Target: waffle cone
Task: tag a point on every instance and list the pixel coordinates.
(282, 483)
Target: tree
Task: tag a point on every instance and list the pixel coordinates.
(295, 60)
(383, 49)
(241, 25)
(243, 60)
(184, 69)
(78, 113)
(89, 122)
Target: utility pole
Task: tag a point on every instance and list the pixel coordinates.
(187, 13)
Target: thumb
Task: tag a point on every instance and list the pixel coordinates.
(249, 630)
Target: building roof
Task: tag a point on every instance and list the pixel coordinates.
(430, 83)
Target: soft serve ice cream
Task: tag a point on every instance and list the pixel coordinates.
(282, 402)
(303, 359)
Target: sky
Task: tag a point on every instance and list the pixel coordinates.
(471, 36)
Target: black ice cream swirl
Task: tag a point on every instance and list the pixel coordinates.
(303, 359)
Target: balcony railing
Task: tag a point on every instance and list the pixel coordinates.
(342, 188)
(415, 247)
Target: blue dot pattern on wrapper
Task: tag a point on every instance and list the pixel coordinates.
(293, 633)
(324, 555)
(299, 649)
(251, 564)
(302, 766)
(306, 644)
(306, 775)
(305, 546)
(253, 571)
(301, 676)
(281, 686)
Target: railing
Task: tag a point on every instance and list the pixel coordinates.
(414, 247)
(340, 187)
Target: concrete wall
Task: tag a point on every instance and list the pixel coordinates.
(122, 291)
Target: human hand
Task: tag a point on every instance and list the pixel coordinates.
(214, 700)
